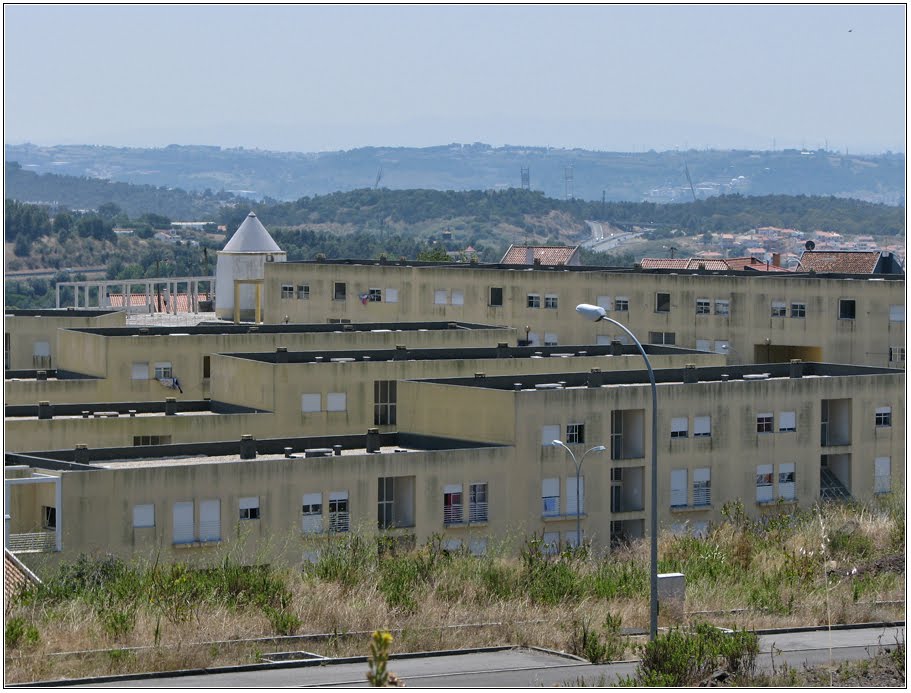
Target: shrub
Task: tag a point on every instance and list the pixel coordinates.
(586, 642)
(283, 622)
(19, 632)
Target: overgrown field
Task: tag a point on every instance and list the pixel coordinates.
(833, 564)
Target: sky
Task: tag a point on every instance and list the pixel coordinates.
(320, 78)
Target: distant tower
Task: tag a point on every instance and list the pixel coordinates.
(568, 182)
(526, 179)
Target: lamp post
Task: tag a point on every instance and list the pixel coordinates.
(597, 448)
(596, 313)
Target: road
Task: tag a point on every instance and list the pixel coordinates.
(51, 273)
(601, 242)
(515, 667)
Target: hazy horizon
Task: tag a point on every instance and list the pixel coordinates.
(328, 78)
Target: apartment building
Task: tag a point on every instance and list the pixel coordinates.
(151, 363)
(287, 393)
(474, 460)
(752, 317)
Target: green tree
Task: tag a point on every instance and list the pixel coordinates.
(434, 253)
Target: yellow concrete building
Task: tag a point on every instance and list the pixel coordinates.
(474, 460)
(752, 317)
(30, 336)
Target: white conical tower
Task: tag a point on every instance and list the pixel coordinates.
(241, 264)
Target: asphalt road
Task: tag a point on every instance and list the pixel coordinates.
(518, 667)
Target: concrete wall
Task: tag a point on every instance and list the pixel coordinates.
(25, 330)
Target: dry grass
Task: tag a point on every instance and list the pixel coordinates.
(741, 575)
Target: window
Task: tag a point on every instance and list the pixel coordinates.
(678, 488)
(339, 291)
(392, 295)
(550, 339)
(779, 309)
(786, 489)
(571, 505)
(207, 366)
(883, 416)
(374, 295)
(798, 310)
(603, 302)
(139, 370)
(897, 313)
(210, 520)
(338, 321)
(534, 300)
(882, 475)
(722, 346)
(458, 298)
(384, 402)
(6, 350)
(897, 354)
(787, 421)
(41, 356)
(477, 496)
(249, 508)
(702, 426)
(679, 427)
(303, 292)
(311, 402)
(847, 309)
(722, 307)
(549, 434)
(575, 433)
(441, 297)
(550, 543)
(703, 306)
(764, 480)
(163, 370)
(395, 502)
(477, 547)
(764, 423)
(550, 301)
(571, 539)
(452, 504)
(662, 338)
(143, 516)
(550, 497)
(287, 291)
(702, 486)
(662, 303)
(183, 523)
(338, 511)
(151, 440)
(48, 517)
(312, 513)
(621, 304)
(336, 401)
(703, 345)
(496, 296)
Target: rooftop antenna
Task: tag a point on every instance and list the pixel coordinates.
(526, 178)
(689, 180)
(379, 177)
(568, 182)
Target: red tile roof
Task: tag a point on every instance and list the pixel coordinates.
(138, 300)
(714, 264)
(841, 261)
(546, 254)
(15, 576)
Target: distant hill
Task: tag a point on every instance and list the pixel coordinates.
(558, 173)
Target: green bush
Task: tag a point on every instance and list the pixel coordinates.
(283, 622)
(346, 561)
(19, 632)
(619, 579)
(586, 642)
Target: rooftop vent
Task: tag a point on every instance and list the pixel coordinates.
(247, 447)
(756, 376)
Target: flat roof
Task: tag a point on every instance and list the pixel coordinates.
(282, 328)
(701, 374)
(477, 266)
(100, 410)
(58, 312)
(450, 353)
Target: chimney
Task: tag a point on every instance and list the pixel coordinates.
(595, 378)
(776, 259)
(42, 375)
(517, 386)
(796, 368)
(401, 352)
(81, 455)
(289, 452)
(85, 413)
(725, 377)
(537, 262)
(170, 406)
(690, 374)
(501, 349)
(45, 411)
(616, 348)
(247, 447)
(479, 375)
(337, 450)
(281, 354)
(373, 440)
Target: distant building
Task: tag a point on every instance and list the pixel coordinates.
(851, 262)
(542, 255)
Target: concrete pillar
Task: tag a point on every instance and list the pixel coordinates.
(236, 303)
(259, 299)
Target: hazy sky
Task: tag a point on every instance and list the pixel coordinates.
(314, 78)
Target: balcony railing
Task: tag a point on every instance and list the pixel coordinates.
(452, 514)
(702, 496)
(32, 542)
(339, 521)
(478, 512)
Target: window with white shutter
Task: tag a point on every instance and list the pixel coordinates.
(571, 503)
(336, 401)
(550, 543)
(311, 402)
(702, 426)
(603, 302)
(786, 489)
(392, 295)
(897, 313)
(550, 497)
(144, 515)
(787, 421)
(702, 486)
(210, 520)
(312, 513)
(458, 298)
(183, 523)
(249, 508)
(764, 483)
(453, 504)
(678, 488)
(441, 297)
(882, 475)
(703, 345)
(549, 434)
(140, 370)
(679, 427)
(339, 517)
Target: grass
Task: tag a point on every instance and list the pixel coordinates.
(744, 574)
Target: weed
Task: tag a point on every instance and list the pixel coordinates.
(283, 622)
(19, 632)
(378, 674)
(586, 642)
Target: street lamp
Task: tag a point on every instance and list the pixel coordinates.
(596, 313)
(597, 448)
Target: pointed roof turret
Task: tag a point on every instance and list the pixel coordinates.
(251, 237)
